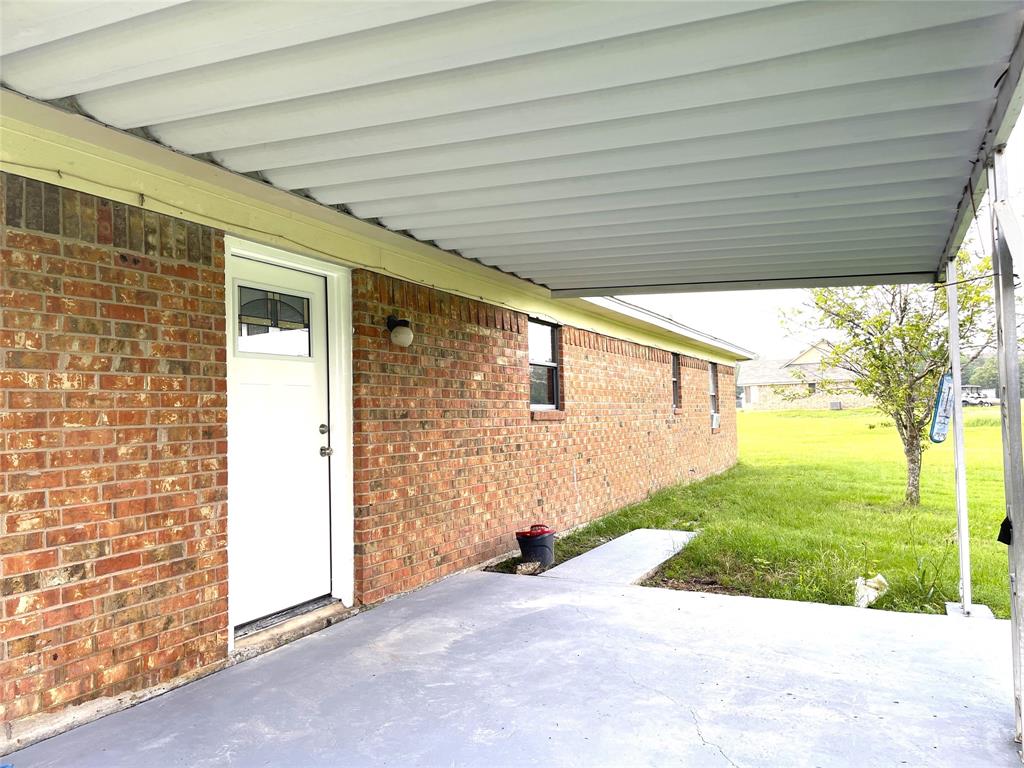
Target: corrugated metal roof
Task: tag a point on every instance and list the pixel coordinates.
(592, 147)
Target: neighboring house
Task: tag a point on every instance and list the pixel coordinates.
(776, 385)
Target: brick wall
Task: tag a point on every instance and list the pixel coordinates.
(449, 461)
(113, 454)
(112, 556)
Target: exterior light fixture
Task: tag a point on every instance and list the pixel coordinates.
(401, 333)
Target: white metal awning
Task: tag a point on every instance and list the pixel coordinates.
(591, 147)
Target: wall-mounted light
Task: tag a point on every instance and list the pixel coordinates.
(401, 333)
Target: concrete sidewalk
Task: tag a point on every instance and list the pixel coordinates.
(487, 669)
(627, 559)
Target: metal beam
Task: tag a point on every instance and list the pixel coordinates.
(809, 281)
(1001, 121)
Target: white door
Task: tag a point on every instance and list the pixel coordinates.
(278, 451)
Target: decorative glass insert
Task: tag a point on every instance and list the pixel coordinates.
(273, 323)
(543, 345)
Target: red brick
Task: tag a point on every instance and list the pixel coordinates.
(20, 358)
(33, 602)
(21, 339)
(11, 462)
(30, 242)
(118, 563)
(34, 399)
(21, 380)
(88, 290)
(68, 614)
(22, 520)
(25, 481)
(69, 305)
(16, 259)
(17, 299)
(31, 561)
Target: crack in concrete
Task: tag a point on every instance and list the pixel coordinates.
(700, 735)
(681, 706)
(693, 716)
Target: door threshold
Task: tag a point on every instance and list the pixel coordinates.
(272, 619)
(273, 631)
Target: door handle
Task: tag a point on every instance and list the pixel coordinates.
(326, 451)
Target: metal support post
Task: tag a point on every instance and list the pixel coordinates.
(959, 465)
(1009, 401)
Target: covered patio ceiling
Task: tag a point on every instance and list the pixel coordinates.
(591, 147)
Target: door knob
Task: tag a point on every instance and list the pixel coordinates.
(324, 429)
(326, 450)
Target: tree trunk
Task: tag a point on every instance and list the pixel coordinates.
(913, 450)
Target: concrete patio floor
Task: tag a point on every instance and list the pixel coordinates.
(487, 669)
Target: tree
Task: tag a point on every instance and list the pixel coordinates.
(986, 374)
(894, 339)
(969, 366)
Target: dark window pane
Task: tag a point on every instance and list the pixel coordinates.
(542, 385)
(254, 304)
(541, 342)
(292, 309)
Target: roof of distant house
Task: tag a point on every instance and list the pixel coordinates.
(796, 370)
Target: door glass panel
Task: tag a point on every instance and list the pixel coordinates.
(272, 323)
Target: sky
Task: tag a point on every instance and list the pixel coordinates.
(752, 319)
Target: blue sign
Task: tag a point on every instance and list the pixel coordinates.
(942, 413)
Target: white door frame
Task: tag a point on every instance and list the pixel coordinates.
(339, 352)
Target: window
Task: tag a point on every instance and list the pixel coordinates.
(713, 384)
(677, 401)
(272, 323)
(543, 344)
(812, 388)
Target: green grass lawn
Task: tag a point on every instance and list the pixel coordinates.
(816, 501)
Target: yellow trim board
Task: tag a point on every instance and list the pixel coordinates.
(44, 143)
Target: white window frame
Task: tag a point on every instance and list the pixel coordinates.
(556, 340)
(714, 397)
(677, 380)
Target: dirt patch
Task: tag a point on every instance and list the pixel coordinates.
(694, 584)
